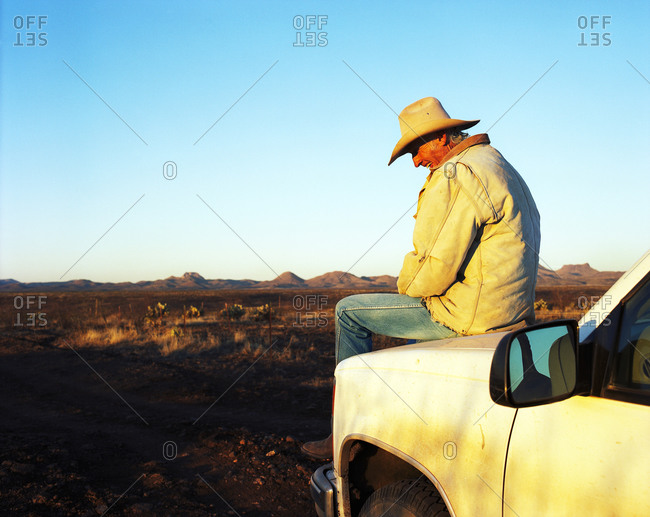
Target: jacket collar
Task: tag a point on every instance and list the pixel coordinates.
(481, 138)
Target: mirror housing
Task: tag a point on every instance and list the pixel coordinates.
(536, 365)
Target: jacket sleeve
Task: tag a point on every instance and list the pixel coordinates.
(446, 226)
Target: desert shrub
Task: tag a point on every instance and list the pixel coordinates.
(155, 314)
(233, 312)
(540, 305)
(193, 312)
(262, 312)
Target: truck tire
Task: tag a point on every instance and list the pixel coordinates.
(407, 498)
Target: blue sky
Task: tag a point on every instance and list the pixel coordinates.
(293, 176)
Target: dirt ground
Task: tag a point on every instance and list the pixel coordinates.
(102, 415)
(119, 432)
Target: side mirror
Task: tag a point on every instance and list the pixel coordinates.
(535, 365)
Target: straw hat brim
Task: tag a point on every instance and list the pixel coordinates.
(424, 130)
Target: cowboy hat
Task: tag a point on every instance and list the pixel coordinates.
(421, 119)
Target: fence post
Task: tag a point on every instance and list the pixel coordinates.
(270, 326)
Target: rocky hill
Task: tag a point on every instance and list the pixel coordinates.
(576, 274)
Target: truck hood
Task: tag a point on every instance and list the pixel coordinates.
(467, 357)
(429, 404)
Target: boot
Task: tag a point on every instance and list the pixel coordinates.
(320, 450)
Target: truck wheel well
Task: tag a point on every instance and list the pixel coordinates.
(370, 468)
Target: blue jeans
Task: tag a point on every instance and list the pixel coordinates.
(396, 315)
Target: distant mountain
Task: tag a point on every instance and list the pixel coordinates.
(8, 283)
(194, 281)
(577, 274)
(286, 280)
(577, 270)
(341, 279)
(187, 281)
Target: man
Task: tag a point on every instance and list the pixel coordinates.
(476, 243)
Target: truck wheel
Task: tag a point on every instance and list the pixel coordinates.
(407, 498)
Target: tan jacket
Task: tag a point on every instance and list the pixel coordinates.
(476, 241)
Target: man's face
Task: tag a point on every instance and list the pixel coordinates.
(431, 154)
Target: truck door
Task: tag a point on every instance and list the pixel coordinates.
(589, 455)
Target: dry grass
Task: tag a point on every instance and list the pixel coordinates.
(240, 336)
(167, 340)
(176, 341)
(112, 335)
(317, 382)
(298, 332)
(252, 348)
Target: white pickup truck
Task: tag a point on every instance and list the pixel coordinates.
(552, 419)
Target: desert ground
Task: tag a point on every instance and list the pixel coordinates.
(173, 403)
